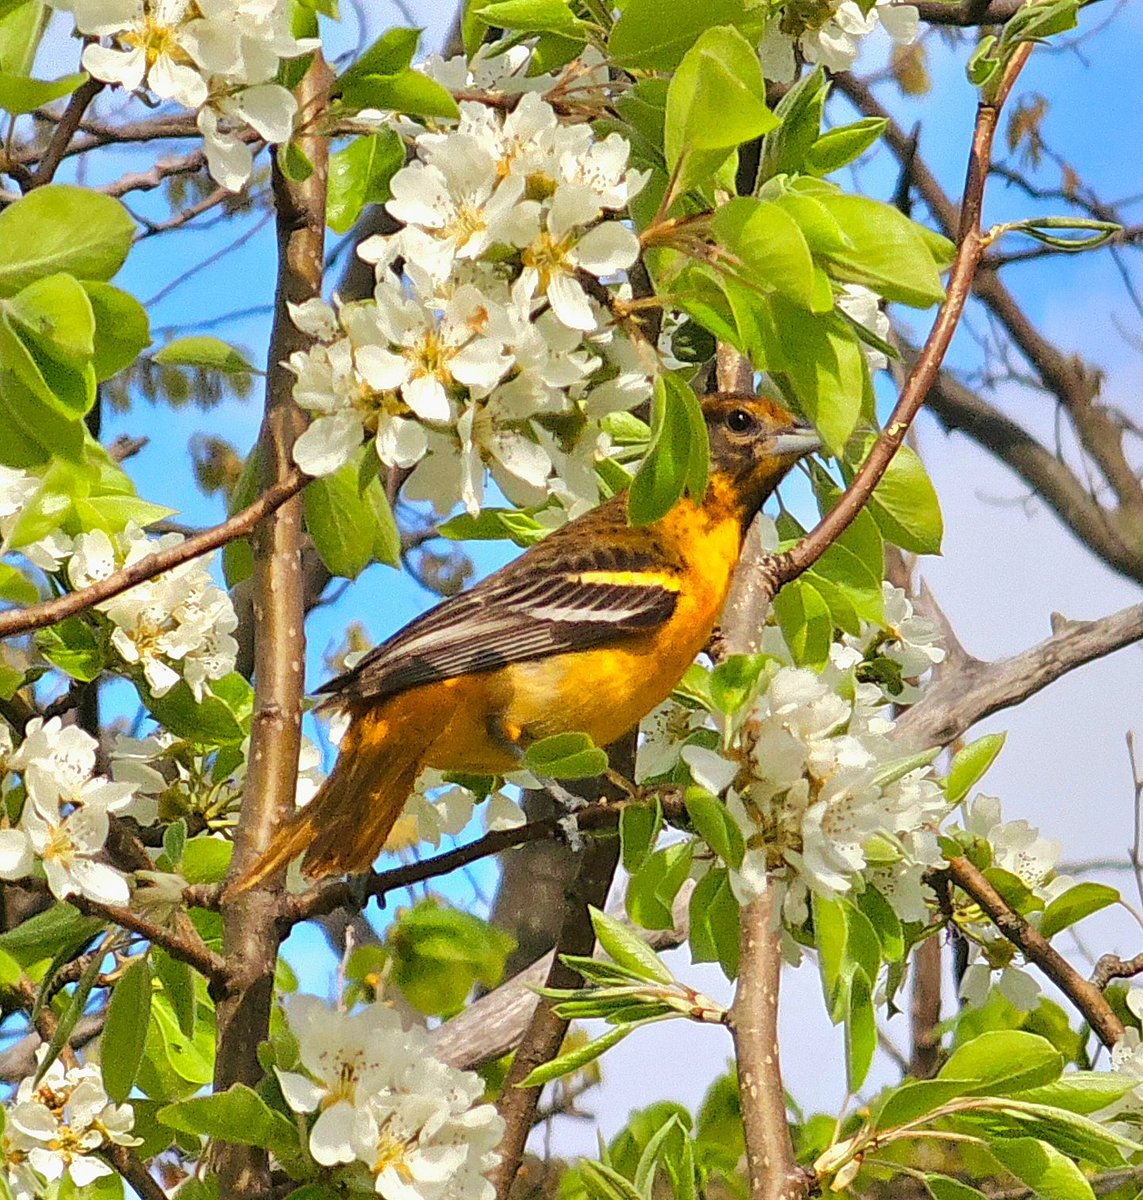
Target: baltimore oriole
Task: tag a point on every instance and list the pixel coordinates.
(586, 631)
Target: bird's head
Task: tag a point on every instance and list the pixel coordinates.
(753, 444)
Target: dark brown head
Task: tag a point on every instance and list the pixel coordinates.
(753, 444)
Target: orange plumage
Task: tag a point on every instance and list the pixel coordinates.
(587, 631)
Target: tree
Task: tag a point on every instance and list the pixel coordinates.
(569, 231)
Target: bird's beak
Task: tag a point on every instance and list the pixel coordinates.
(796, 441)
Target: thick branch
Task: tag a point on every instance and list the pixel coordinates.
(1036, 948)
(958, 407)
(250, 918)
(774, 1172)
(959, 698)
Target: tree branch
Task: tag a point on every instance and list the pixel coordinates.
(973, 690)
(25, 620)
(65, 130)
(970, 248)
(1036, 948)
(250, 918)
(774, 1171)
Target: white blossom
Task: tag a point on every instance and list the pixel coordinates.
(219, 57)
(177, 625)
(384, 1102)
(830, 35)
(55, 1128)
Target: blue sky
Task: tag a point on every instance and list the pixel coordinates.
(1003, 571)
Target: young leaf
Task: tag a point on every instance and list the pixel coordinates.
(237, 1115)
(628, 949)
(969, 765)
(1003, 1061)
(904, 504)
(62, 228)
(206, 353)
(125, 1031)
(770, 245)
(658, 33)
(860, 1030)
(639, 826)
(805, 621)
(578, 1058)
(359, 175)
(1075, 904)
(1047, 1173)
(566, 756)
(716, 826)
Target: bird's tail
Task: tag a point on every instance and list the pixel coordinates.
(345, 826)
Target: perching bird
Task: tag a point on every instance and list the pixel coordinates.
(586, 631)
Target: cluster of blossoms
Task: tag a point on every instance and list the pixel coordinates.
(811, 776)
(387, 1109)
(57, 1126)
(488, 351)
(829, 34)
(177, 625)
(1018, 848)
(219, 57)
(64, 822)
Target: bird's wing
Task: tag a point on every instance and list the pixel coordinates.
(542, 604)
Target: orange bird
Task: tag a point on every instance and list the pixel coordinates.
(586, 631)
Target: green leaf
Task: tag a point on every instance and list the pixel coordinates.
(904, 503)
(628, 949)
(837, 148)
(970, 764)
(494, 524)
(340, 521)
(177, 981)
(860, 1030)
(16, 587)
(206, 353)
(60, 929)
(22, 25)
(206, 860)
(734, 681)
(76, 1004)
(576, 1059)
(54, 315)
(805, 621)
(207, 722)
(22, 94)
(1003, 1061)
(1081, 1091)
(237, 1115)
(639, 827)
(439, 952)
(566, 756)
(822, 358)
(830, 933)
(944, 1187)
(716, 826)
(1049, 1174)
(658, 33)
(531, 16)
(390, 54)
(62, 228)
(889, 254)
(359, 175)
(74, 647)
(651, 891)
(406, 91)
(125, 1031)
(770, 245)
(677, 456)
(912, 1101)
(715, 922)
(1075, 904)
(715, 102)
(122, 328)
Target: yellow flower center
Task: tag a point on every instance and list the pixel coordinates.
(549, 257)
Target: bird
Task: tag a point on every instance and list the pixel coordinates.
(587, 631)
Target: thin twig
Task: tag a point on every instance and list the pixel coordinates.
(1111, 966)
(1084, 994)
(24, 620)
(65, 130)
(970, 249)
(134, 1171)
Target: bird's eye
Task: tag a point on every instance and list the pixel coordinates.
(738, 420)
